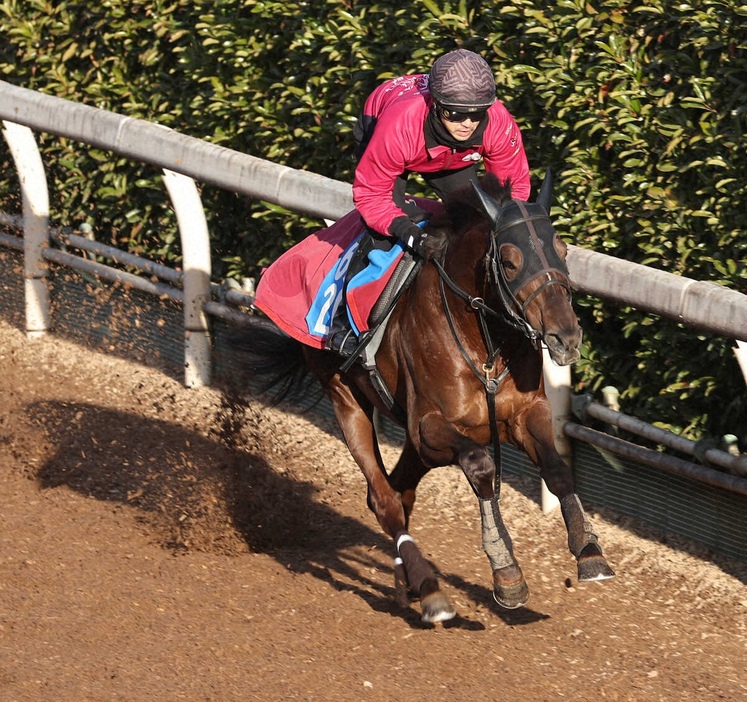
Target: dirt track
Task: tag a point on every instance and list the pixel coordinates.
(147, 552)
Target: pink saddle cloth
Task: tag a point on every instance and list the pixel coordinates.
(301, 290)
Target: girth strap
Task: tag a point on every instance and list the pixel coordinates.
(370, 341)
(378, 384)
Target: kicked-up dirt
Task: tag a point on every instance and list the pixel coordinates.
(160, 543)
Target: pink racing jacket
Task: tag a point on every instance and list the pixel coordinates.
(397, 146)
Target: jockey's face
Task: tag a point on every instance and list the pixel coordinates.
(461, 125)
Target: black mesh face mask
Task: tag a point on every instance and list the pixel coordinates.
(527, 227)
(523, 247)
(528, 230)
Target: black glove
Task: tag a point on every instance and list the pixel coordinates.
(416, 239)
(415, 213)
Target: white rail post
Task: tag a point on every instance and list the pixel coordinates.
(35, 196)
(195, 241)
(740, 350)
(558, 391)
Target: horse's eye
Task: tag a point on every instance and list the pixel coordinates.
(511, 260)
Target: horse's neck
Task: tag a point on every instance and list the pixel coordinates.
(466, 262)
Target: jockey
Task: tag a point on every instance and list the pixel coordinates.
(440, 125)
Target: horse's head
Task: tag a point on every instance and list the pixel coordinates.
(526, 263)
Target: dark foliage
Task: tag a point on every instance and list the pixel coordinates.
(640, 109)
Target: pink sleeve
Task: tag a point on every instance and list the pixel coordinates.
(504, 152)
(382, 163)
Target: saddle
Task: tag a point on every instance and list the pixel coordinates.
(368, 342)
(365, 345)
(374, 277)
(343, 276)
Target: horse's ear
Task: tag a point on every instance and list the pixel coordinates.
(489, 206)
(545, 194)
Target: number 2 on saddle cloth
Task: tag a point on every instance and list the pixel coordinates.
(352, 287)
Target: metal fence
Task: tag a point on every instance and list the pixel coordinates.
(172, 312)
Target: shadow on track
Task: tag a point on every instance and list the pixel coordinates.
(194, 492)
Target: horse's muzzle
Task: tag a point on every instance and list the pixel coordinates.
(563, 346)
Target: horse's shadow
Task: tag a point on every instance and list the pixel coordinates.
(193, 491)
(524, 478)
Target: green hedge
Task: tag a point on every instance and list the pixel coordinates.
(638, 107)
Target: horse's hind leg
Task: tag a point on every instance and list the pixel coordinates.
(405, 478)
(582, 540)
(509, 587)
(407, 475)
(434, 604)
(385, 502)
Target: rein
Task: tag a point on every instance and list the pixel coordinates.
(509, 314)
(492, 385)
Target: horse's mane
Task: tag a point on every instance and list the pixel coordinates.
(462, 208)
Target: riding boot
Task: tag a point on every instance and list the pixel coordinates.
(342, 341)
(341, 338)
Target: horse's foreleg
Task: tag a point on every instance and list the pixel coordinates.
(510, 590)
(583, 542)
(509, 587)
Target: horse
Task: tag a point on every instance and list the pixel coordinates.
(461, 361)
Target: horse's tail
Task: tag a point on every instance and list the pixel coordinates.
(267, 362)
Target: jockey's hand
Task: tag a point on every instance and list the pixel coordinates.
(415, 213)
(416, 239)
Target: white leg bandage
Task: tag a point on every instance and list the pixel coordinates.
(495, 538)
(402, 539)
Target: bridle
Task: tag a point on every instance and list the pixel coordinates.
(545, 262)
(548, 261)
(511, 310)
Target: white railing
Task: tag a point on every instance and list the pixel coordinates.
(706, 306)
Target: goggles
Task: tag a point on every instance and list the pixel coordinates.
(456, 116)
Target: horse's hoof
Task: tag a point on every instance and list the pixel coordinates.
(436, 608)
(592, 565)
(594, 568)
(510, 590)
(511, 596)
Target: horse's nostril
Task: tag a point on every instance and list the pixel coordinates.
(554, 341)
(559, 342)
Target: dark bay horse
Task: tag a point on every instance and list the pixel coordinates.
(461, 358)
